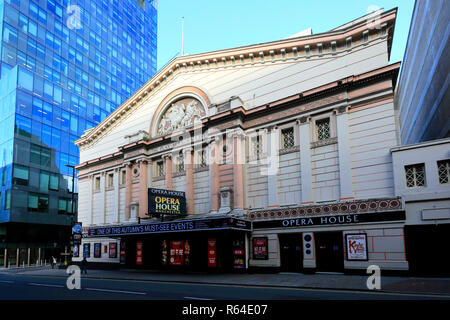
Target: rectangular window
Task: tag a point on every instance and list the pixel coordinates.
(35, 154)
(179, 167)
(287, 138)
(160, 169)
(20, 175)
(37, 202)
(257, 147)
(415, 175)
(44, 181)
(123, 177)
(9, 34)
(323, 129)
(26, 79)
(62, 206)
(23, 126)
(203, 158)
(54, 181)
(111, 180)
(7, 199)
(97, 184)
(444, 171)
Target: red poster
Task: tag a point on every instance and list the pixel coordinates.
(176, 253)
(138, 253)
(212, 253)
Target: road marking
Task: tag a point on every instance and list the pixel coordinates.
(196, 298)
(46, 285)
(116, 291)
(360, 291)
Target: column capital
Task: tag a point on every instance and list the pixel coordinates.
(341, 110)
(303, 120)
(167, 156)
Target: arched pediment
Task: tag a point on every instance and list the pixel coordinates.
(181, 108)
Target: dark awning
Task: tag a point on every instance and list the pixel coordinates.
(179, 225)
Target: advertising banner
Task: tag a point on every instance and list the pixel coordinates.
(176, 253)
(212, 259)
(86, 250)
(76, 250)
(187, 253)
(173, 226)
(113, 250)
(260, 250)
(238, 254)
(356, 247)
(138, 253)
(123, 252)
(97, 250)
(164, 253)
(76, 233)
(161, 201)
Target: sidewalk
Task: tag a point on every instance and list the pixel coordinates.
(412, 285)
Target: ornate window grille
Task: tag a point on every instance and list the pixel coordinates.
(257, 146)
(323, 129)
(444, 171)
(287, 138)
(160, 169)
(202, 159)
(179, 167)
(415, 175)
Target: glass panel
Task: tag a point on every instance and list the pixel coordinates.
(26, 79)
(44, 181)
(54, 181)
(23, 126)
(45, 157)
(33, 201)
(35, 154)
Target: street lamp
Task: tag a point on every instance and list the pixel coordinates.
(73, 193)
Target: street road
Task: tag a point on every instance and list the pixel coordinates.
(14, 286)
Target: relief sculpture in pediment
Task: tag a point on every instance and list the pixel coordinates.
(181, 114)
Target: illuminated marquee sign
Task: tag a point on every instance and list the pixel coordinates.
(168, 202)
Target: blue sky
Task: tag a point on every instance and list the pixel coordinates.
(212, 24)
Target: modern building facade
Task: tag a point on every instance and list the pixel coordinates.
(281, 151)
(65, 66)
(422, 96)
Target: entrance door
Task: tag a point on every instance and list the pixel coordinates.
(291, 252)
(329, 250)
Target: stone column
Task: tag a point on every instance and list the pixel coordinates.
(215, 192)
(238, 173)
(39, 256)
(143, 193)
(29, 257)
(128, 184)
(103, 178)
(117, 194)
(5, 261)
(272, 167)
(91, 199)
(305, 160)
(17, 257)
(345, 170)
(168, 171)
(189, 167)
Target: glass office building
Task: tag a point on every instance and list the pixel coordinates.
(64, 66)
